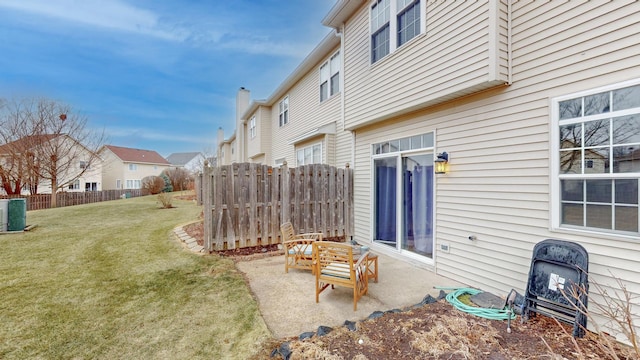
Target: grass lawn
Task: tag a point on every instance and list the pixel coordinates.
(105, 281)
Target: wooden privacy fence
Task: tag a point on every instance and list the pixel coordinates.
(43, 201)
(244, 204)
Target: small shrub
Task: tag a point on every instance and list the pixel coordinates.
(616, 307)
(153, 184)
(165, 200)
(167, 183)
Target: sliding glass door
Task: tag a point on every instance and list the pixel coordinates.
(403, 202)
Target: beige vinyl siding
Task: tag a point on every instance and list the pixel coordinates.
(264, 132)
(254, 145)
(343, 148)
(306, 113)
(445, 63)
(498, 186)
(329, 148)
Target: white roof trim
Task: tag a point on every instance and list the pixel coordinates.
(322, 130)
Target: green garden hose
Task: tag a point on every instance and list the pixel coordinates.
(487, 313)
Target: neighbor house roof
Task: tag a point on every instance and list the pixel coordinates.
(26, 143)
(137, 155)
(181, 159)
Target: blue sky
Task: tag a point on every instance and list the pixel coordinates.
(156, 75)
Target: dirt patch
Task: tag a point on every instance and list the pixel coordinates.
(433, 331)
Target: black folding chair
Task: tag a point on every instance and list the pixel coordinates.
(556, 267)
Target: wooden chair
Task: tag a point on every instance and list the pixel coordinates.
(298, 252)
(334, 264)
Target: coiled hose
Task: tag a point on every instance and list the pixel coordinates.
(487, 313)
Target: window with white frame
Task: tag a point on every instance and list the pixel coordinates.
(133, 184)
(75, 185)
(84, 165)
(283, 111)
(390, 32)
(133, 167)
(330, 77)
(252, 127)
(597, 162)
(118, 184)
(311, 154)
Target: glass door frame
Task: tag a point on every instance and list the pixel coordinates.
(399, 211)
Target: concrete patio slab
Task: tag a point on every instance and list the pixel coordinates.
(287, 300)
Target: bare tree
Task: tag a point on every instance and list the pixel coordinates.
(48, 143)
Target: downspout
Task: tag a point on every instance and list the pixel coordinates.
(509, 42)
(340, 33)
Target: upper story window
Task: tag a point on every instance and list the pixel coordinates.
(311, 154)
(252, 127)
(330, 77)
(283, 112)
(133, 167)
(597, 164)
(406, 23)
(84, 165)
(408, 20)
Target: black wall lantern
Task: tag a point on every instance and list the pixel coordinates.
(440, 163)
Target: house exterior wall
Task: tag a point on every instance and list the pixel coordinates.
(306, 113)
(93, 175)
(498, 187)
(195, 165)
(259, 146)
(444, 63)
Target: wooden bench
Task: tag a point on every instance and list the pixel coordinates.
(334, 264)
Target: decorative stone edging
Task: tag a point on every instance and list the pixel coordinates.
(188, 241)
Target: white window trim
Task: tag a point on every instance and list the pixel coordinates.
(283, 109)
(130, 184)
(252, 127)
(554, 156)
(75, 185)
(331, 74)
(311, 146)
(393, 27)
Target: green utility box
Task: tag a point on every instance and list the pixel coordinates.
(17, 215)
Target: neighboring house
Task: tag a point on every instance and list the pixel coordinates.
(511, 90)
(78, 169)
(124, 168)
(190, 161)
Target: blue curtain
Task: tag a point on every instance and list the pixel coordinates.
(385, 203)
(421, 208)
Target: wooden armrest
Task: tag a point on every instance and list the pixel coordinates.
(314, 236)
(298, 242)
(362, 259)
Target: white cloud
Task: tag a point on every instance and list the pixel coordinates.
(112, 14)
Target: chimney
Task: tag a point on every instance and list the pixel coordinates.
(243, 99)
